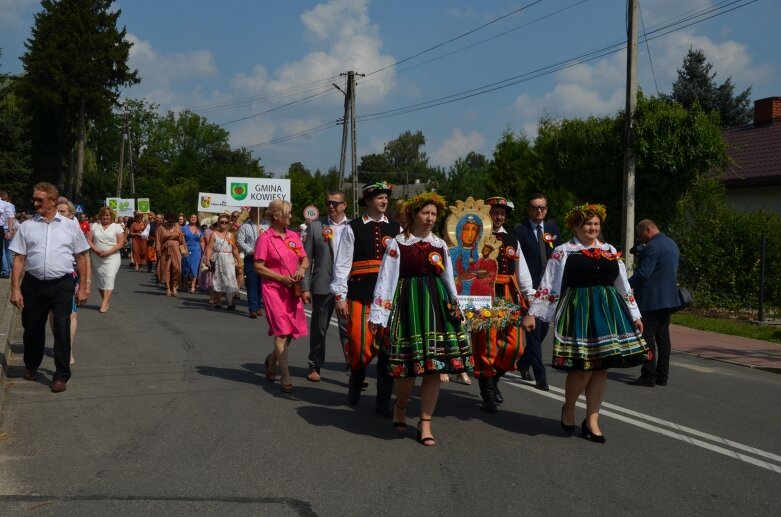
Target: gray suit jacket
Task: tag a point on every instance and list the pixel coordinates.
(321, 259)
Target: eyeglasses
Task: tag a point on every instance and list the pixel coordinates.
(538, 208)
(223, 222)
(39, 199)
(334, 204)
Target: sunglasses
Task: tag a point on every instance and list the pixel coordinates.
(223, 222)
(39, 199)
(538, 208)
(334, 204)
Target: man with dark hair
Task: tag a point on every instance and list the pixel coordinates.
(538, 237)
(44, 248)
(654, 284)
(357, 265)
(321, 244)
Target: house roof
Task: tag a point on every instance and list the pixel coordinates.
(755, 150)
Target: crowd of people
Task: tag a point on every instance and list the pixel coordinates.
(391, 284)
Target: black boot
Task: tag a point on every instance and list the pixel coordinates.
(487, 393)
(356, 380)
(384, 386)
(498, 398)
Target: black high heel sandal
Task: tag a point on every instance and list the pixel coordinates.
(401, 427)
(587, 434)
(428, 441)
(569, 429)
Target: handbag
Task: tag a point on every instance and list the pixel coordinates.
(685, 299)
(183, 249)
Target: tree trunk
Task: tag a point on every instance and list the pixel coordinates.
(81, 136)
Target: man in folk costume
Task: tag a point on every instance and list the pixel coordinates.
(357, 264)
(497, 351)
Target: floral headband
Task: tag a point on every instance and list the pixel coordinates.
(584, 212)
(416, 204)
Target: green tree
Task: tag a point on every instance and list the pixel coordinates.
(75, 66)
(306, 189)
(672, 146)
(14, 142)
(468, 176)
(720, 249)
(185, 154)
(402, 161)
(697, 85)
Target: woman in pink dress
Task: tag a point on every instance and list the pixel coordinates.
(281, 260)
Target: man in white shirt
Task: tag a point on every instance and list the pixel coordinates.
(42, 282)
(246, 239)
(7, 220)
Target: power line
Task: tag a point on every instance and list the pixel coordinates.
(673, 25)
(648, 48)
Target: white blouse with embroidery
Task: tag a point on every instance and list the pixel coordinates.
(547, 296)
(384, 291)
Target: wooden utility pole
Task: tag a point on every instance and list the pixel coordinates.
(629, 157)
(121, 156)
(351, 91)
(343, 155)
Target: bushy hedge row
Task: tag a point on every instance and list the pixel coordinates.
(720, 250)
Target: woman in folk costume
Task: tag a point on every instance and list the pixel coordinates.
(597, 324)
(415, 298)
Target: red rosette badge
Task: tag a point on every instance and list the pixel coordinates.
(436, 260)
(549, 238)
(510, 253)
(295, 249)
(386, 240)
(328, 234)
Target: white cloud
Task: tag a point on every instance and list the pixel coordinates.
(458, 145)
(12, 12)
(351, 42)
(159, 71)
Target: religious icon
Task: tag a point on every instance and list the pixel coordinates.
(468, 229)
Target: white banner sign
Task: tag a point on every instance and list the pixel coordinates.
(123, 207)
(215, 203)
(478, 302)
(256, 191)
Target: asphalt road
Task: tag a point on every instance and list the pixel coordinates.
(168, 413)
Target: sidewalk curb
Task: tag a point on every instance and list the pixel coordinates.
(700, 355)
(7, 317)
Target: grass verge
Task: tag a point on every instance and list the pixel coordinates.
(728, 326)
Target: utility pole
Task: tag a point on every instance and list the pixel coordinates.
(351, 90)
(349, 114)
(629, 157)
(121, 156)
(130, 159)
(343, 155)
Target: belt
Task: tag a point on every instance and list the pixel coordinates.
(365, 267)
(30, 276)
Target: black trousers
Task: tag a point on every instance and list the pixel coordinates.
(323, 306)
(532, 353)
(40, 298)
(656, 332)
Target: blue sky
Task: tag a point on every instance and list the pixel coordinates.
(237, 58)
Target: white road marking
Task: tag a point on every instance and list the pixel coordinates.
(635, 418)
(615, 411)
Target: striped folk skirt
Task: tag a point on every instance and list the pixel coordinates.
(594, 331)
(423, 336)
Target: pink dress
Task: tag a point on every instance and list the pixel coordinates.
(284, 310)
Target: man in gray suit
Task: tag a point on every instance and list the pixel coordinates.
(654, 284)
(321, 243)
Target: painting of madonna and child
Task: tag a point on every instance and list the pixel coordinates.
(473, 249)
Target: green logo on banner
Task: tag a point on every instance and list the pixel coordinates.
(112, 203)
(143, 205)
(124, 205)
(239, 191)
